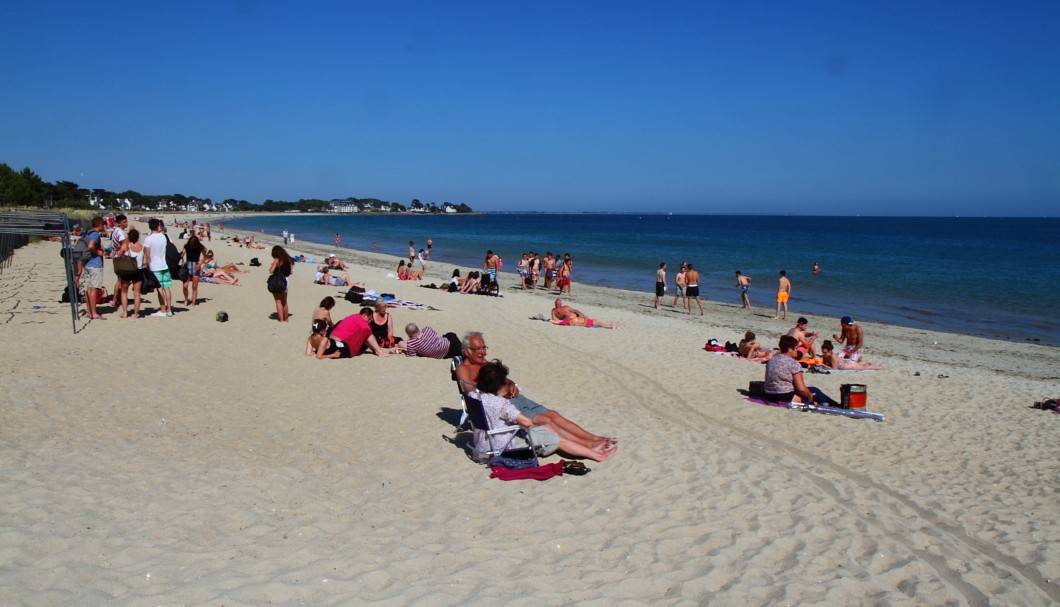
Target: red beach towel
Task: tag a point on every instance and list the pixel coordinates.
(538, 473)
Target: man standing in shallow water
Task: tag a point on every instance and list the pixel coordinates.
(692, 290)
(783, 294)
(744, 283)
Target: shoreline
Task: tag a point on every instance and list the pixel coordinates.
(629, 294)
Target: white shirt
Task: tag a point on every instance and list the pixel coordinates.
(156, 242)
(117, 236)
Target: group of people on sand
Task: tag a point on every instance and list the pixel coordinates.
(371, 329)
(532, 268)
(849, 357)
(687, 282)
(151, 254)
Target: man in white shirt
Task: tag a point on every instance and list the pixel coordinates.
(155, 256)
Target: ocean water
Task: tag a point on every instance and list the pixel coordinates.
(993, 277)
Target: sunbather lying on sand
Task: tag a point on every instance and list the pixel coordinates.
(833, 361)
(752, 350)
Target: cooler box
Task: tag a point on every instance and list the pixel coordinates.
(853, 396)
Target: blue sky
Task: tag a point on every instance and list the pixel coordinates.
(925, 108)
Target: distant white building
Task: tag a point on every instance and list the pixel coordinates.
(450, 209)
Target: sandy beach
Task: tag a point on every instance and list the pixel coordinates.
(182, 461)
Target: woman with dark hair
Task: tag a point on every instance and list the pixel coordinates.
(833, 361)
(322, 346)
(131, 247)
(784, 382)
(192, 253)
(323, 311)
(281, 263)
(494, 390)
(752, 350)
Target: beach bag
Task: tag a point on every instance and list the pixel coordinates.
(125, 267)
(277, 283)
(183, 274)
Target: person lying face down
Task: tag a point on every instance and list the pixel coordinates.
(474, 347)
(494, 392)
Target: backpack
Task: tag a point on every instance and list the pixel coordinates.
(79, 252)
(172, 257)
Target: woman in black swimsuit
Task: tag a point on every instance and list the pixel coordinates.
(382, 324)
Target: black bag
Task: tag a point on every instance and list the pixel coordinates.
(172, 257)
(150, 282)
(277, 282)
(183, 274)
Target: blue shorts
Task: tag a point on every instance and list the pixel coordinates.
(165, 280)
(528, 407)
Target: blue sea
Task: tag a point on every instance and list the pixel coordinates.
(991, 277)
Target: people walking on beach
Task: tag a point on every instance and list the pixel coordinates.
(852, 337)
(282, 264)
(682, 280)
(660, 283)
(565, 271)
(783, 294)
(192, 254)
(744, 284)
(491, 265)
(155, 254)
(422, 256)
(550, 270)
(467, 375)
(535, 269)
(692, 290)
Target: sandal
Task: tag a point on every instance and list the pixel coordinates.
(575, 468)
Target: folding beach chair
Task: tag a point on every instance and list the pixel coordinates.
(457, 361)
(498, 445)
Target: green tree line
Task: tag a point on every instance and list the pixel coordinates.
(26, 189)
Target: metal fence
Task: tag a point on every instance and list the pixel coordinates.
(16, 229)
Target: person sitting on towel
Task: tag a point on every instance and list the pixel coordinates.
(784, 382)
